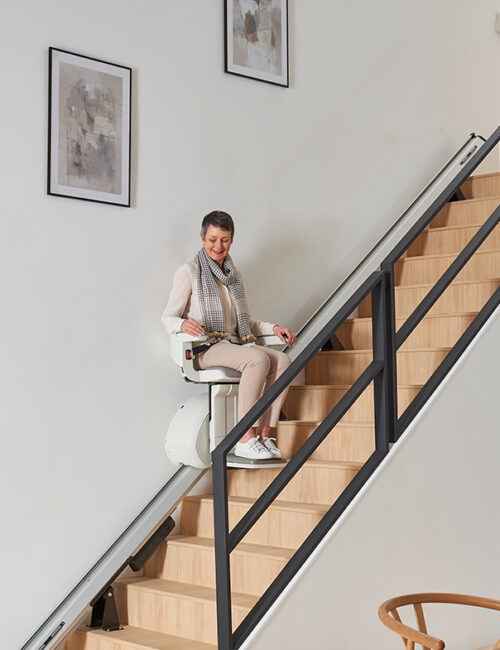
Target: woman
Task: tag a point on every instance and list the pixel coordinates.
(208, 297)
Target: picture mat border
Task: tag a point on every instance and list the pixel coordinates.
(54, 188)
(241, 71)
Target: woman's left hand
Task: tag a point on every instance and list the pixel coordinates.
(285, 334)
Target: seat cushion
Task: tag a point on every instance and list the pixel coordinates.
(219, 373)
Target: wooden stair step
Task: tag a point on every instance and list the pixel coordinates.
(131, 638)
(470, 211)
(434, 331)
(190, 559)
(337, 366)
(481, 186)
(458, 297)
(317, 481)
(427, 269)
(451, 240)
(315, 402)
(175, 608)
(350, 441)
(284, 524)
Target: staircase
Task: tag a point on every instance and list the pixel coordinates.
(173, 606)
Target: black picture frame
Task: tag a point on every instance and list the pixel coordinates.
(90, 128)
(261, 36)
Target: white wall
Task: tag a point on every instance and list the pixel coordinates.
(382, 94)
(426, 521)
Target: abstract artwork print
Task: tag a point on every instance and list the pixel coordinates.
(89, 147)
(257, 39)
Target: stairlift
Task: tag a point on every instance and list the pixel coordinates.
(200, 424)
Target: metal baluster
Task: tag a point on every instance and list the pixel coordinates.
(222, 565)
(390, 349)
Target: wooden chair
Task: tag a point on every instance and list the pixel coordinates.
(388, 614)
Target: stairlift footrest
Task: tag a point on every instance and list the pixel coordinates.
(238, 462)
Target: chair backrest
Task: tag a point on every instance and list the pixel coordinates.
(388, 614)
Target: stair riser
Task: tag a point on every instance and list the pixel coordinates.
(80, 640)
(250, 573)
(286, 528)
(456, 298)
(414, 366)
(463, 213)
(478, 187)
(451, 242)
(303, 403)
(416, 270)
(171, 614)
(431, 333)
(344, 443)
(309, 485)
(85, 640)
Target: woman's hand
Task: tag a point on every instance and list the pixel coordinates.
(285, 334)
(192, 327)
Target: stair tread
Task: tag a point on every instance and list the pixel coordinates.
(413, 258)
(452, 284)
(487, 175)
(184, 590)
(148, 639)
(309, 423)
(334, 464)
(474, 200)
(297, 506)
(342, 386)
(457, 227)
(243, 548)
(427, 316)
(411, 351)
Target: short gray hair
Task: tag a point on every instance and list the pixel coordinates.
(218, 219)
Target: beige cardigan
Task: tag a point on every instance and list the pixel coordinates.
(183, 303)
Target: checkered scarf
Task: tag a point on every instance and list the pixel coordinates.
(210, 303)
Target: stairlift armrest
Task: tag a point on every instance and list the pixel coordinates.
(270, 341)
(179, 345)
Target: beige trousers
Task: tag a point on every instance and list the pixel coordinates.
(259, 367)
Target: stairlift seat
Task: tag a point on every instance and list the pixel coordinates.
(202, 423)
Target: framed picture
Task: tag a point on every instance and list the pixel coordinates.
(89, 128)
(257, 39)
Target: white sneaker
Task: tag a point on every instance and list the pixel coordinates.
(268, 443)
(252, 449)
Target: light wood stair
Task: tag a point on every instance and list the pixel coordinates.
(173, 604)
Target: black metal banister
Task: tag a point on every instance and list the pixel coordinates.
(382, 371)
(444, 197)
(304, 453)
(448, 276)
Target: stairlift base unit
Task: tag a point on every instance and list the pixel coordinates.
(187, 440)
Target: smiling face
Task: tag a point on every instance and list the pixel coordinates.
(217, 243)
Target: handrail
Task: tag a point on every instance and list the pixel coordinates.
(225, 541)
(388, 427)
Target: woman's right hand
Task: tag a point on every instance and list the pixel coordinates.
(192, 327)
